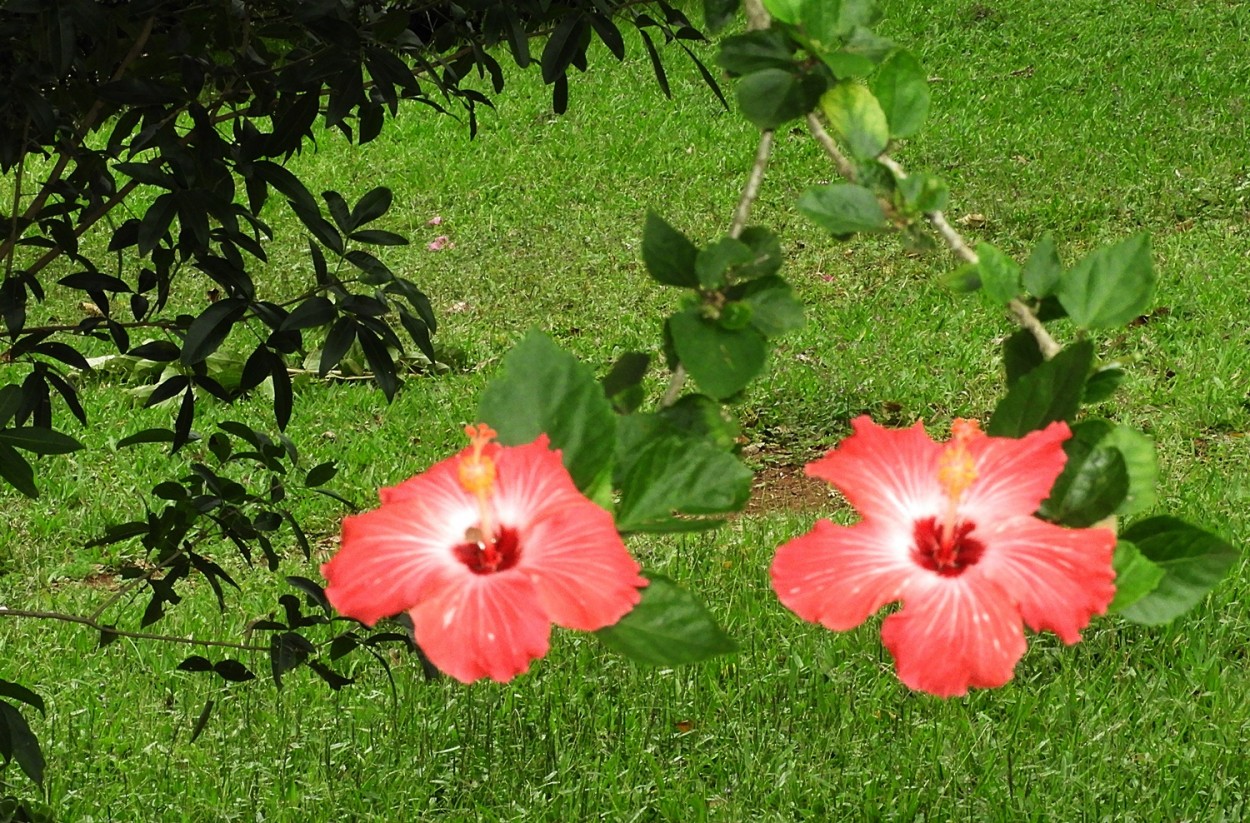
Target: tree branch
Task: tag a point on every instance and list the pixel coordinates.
(112, 630)
(1022, 313)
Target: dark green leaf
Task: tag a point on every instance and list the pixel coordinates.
(713, 264)
(18, 692)
(22, 742)
(1111, 286)
(856, 117)
(160, 351)
(663, 474)
(699, 416)
(39, 440)
(376, 272)
(286, 651)
(313, 591)
(1142, 466)
(154, 226)
(668, 255)
(380, 362)
(1193, 561)
(721, 361)
(1102, 384)
(1050, 392)
(321, 474)
(564, 44)
(668, 628)
(1043, 270)
(337, 207)
(902, 89)
(999, 274)
(202, 721)
(234, 671)
(375, 203)
(208, 331)
(924, 193)
(195, 663)
(775, 309)
(338, 341)
(1022, 355)
(377, 237)
(146, 436)
(626, 373)
(10, 402)
(1135, 576)
(18, 472)
(1094, 481)
(718, 13)
(772, 97)
(315, 311)
(544, 389)
(843, 209)
(756, 50)
(766, 248)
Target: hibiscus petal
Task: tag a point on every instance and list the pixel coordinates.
(885, 473)
(1059, 577)
(953, 634)
(488, 626)
(839, 575)
(439, 485)
(392, 557)
(531, 480)
(1014, 475)
(585, 577)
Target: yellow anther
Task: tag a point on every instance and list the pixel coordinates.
(477, 477)
(477, 472)
(957, 470)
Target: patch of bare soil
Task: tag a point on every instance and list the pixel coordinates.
(787, 488)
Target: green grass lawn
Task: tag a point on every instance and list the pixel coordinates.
(1092, 119)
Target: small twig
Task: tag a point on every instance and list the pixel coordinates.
(1028, 321)
(845, 167)
(955, 241)
(757, 16)
(752, 189)
(90, 623)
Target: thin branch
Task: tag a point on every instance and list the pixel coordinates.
(1028, 320)
(845, 167)
(752, 189)
(757, 15)
(111, 630)
(955, 241)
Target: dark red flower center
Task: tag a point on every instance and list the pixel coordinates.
(946, 551)
(489, 556)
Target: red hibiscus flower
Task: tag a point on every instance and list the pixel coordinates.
(948, 529)
(485, 551)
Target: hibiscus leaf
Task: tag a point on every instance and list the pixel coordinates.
(1050, 392)
(1142, 465)
(1094, 481)
(1193, 561)
(544, 389)
(669, 627)
(722, 361)
(1135, 576)
(660, 472)
(1111, 286)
